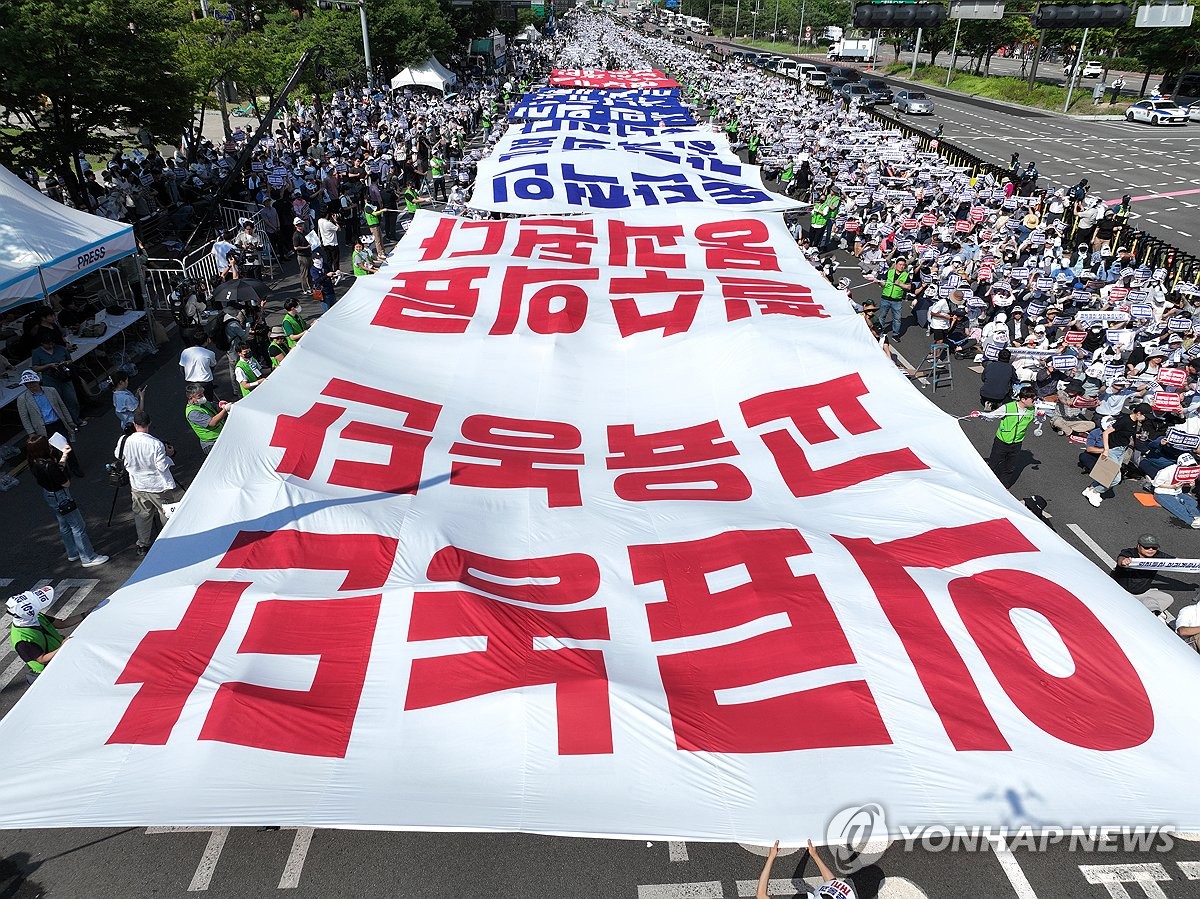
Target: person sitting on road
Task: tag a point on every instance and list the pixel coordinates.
(831, 886)
(1138, 581)
(35, 636)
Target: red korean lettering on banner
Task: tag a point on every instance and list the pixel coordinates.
(1172, 377)
(771, 298)
(1101, 704)
(485, 238)
(560, 307)
(524, 450)
(302, 438)
(738, 244)
(644, 246)
(633, 315)
(802, 406)
(440, 302)
(676, 464)
(524, 646)
(168, 665)
(566, 240)
(842, 713)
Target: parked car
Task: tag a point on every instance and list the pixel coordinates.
(914, 103)
(1157, 112)
(1093, 69)
(860, 92)
(708, 46)
(846, 73)
(788, 67)
(1193, 111)
(880, 89)
(836, 84)
(816, 78)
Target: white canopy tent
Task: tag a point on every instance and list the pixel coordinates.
(430, 73)
(45, 245)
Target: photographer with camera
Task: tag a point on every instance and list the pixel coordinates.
(50, 471)
(52, 361)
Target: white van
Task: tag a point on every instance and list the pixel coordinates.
(789, 67)
(816, 78)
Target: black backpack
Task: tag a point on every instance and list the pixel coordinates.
(117, 475)
(219, 333)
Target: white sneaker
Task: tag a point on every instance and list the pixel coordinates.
(99, 560)
(1092, 496)
(1196, 522)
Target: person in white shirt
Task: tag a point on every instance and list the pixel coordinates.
(327, 231)
(225, 254)
(197, 362)
(148, 464)
(1187, 625)
(125, 402)
(830, 887)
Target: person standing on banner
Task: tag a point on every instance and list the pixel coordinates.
(1015, 418)
(205, 419)
(43, 412)
(831, 886)
(1138, 581)
(1117, 439)
(327, 231)
(148, 463)
(35, 636)
(897, 284)
(47, 464)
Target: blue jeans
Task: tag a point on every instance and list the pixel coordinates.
(1117, 454)
(71, 527)
(1183, 506)
(893, 309)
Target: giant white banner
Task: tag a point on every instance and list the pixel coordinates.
(600, 180)
(611, 526)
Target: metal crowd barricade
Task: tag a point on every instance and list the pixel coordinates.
(233, 212)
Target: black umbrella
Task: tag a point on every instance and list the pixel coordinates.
(239, 291)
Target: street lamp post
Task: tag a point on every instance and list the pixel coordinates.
(800, 30)
(362, 19)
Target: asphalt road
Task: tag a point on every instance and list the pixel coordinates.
(250, 863)
(1158, 167)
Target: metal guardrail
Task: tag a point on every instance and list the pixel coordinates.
(1147, 249)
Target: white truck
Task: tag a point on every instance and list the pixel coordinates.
(860, 49)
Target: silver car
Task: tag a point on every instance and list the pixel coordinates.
(914, 103)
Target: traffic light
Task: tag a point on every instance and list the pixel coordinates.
(1081, 15)
(899, 15)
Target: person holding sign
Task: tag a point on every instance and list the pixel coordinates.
(831, 886)
(1117, 440)
(1137, 581)
(1170, 485)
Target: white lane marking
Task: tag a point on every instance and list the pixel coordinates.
(779, 887)
(710, 889)
(677, 851)
(1190, 870)
(1092, 545)
(295, 860)
(1114, 878)
(212, 852)
(1012, 870)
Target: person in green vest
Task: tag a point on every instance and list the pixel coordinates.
(752, 148)
(205, 418)
(437, 174)
(278, 346)
(360, 261)
(823, 216)
(294, 324)
(732, 129)
(788, 174)
(891, 299)
(248, 372)
(487, 125)
(373, 215)
(1015, 418)
(35, 636)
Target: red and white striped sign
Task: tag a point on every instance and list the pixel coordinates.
(1186, 474)
(977, 214)
(1074, 338)
(929, 219)
(909, 225)
(962, 227)
(1165, 401)
(1118, 293)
